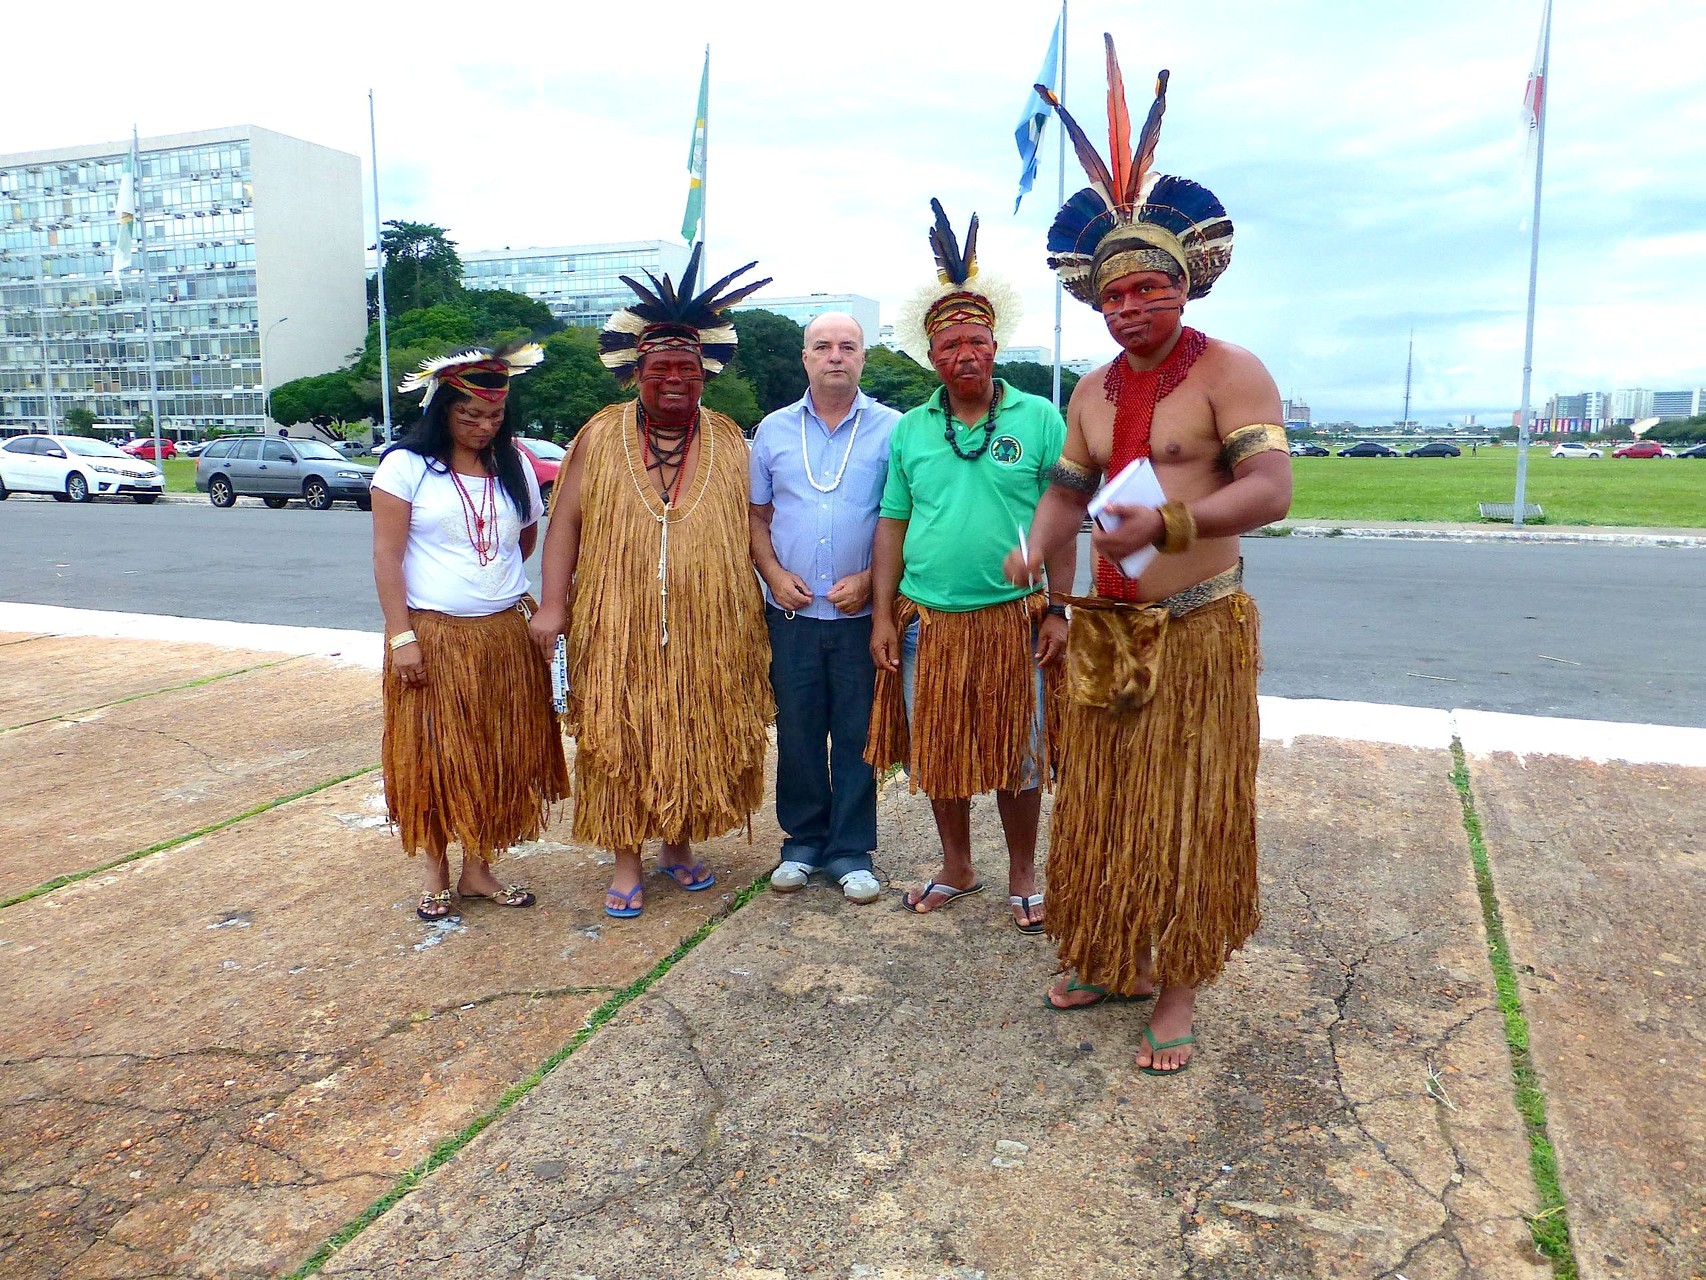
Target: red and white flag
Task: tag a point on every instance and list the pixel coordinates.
(1534, 97)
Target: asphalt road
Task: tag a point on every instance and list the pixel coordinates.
(1592, 632)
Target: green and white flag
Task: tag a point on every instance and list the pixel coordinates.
(692, 222)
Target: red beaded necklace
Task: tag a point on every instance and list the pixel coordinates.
(480, 518)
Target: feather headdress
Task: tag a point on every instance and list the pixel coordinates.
(962, 293)
(478, 372)
(668, 316)
(1131, 218)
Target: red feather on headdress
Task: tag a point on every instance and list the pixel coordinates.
(1119, 126)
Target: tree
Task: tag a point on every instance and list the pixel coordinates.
(1038, 379)
(768, 357)
(732, 394)
(896, 379)
(80, 421)
(329, 395)
(501, 316)
(569, 387)
(422, 268)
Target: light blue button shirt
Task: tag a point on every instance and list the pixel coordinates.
(822, 537)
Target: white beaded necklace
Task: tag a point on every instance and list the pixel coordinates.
(805, 454)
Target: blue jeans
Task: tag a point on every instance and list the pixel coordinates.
(1029, 775)
(826, 795)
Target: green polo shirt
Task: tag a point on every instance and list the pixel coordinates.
(964, 517)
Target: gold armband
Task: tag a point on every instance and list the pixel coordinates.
(1247, 442)
(1178, 529)
(1074, 476)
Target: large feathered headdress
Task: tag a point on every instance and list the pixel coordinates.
(672, 317)
(1130, 218)
(478, 372)
(962, 293)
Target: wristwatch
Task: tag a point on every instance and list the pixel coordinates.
(1057, 611)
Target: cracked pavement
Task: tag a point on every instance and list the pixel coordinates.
(217, 1055)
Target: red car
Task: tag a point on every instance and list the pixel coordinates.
(144, 448)
(1643, 449)
(545, 458)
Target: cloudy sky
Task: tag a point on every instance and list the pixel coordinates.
(1371, 157)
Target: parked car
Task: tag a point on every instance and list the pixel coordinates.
(545, 458)
(275, 470)
(1572, 450)
(191, 448)
(75, 469)
(1435, 449)
(1368, 449)
(1643, 449)
(1698, 451)
(144, 448)
(1309, 451)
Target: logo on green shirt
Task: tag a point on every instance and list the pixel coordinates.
(1006, 450)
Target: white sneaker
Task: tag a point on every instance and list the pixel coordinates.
(790, 877)
(861, 886)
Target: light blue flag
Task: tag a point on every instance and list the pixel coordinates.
(1029, 134)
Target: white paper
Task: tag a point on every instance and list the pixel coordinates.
(1137, 486)
(560, 677)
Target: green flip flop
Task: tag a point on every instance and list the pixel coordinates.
(1155, 1048)
(1102, 994)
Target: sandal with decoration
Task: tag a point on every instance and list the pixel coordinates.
(435, 906)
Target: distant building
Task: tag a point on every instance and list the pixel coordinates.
(1631, 404)
(243, 229)
(1080, 366)
(1673, 404)
(1027, 355)
(805, 309)
(1585, 411)
(580, 283)
(1295, 413)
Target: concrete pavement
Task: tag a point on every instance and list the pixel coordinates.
(229, 1036)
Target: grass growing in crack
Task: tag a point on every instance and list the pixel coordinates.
(151, 693)
(1550, 1227)
(59, 882)
(521, 1088)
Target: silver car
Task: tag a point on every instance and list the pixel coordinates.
(276, 469)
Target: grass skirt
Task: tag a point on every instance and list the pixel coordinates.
(474, 755)
(1153, 839)
(974, 701)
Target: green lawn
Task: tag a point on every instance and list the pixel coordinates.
(180, 473)
(1651, 492)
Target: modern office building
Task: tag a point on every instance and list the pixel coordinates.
(252, 245)
(1673, 404)
(1295, 413)
(803, 310)
(1631, 404)
(581, 283)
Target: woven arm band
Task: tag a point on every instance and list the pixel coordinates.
(1074, 476)
(1247, 442)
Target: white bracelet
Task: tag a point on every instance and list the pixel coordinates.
(402, 638)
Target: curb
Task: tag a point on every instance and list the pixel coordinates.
(1426, 533)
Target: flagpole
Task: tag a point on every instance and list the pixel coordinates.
(379, 271)
(1060, 199)
(1533, 268)
(147, 289)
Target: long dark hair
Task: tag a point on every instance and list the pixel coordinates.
(430, 437)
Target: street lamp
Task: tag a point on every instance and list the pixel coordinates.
(266, 385)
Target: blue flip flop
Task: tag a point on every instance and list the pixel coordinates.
(949, 895)
(702, 879)
(627, 911)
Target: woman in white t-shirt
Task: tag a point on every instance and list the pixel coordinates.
(471, 750)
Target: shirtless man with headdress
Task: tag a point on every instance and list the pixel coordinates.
(960, 652)
(1152, 850)
(647, 566)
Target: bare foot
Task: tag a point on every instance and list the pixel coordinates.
(1022, 883)
(1069, 993)
(940, 891)
(477, 880)
(1171, 1021)
(625, 893)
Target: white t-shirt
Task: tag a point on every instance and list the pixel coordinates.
(440, 570)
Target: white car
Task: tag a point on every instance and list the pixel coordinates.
(75, 469)
(1576, 451)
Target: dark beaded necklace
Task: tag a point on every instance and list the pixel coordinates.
(668, 454)
(988, 426)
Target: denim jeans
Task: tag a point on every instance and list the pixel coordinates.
(1029, 775)
(826, 795)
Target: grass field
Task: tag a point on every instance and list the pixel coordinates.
(1662, 493)
(1650, 492)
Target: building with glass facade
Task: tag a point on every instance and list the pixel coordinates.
(253, 247)
(580, 283)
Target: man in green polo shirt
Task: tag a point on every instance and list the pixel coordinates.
(960, 652)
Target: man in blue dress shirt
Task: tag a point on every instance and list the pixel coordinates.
(818, 468)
